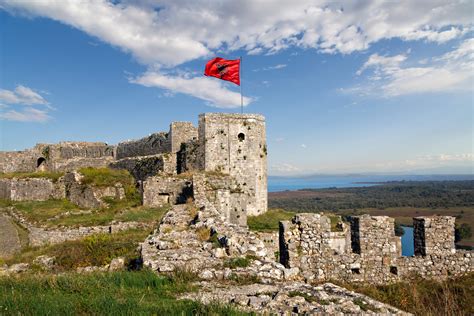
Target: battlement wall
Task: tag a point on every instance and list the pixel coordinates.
(369, 250)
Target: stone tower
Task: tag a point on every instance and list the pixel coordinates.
(235, 144)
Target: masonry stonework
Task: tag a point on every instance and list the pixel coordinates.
(235, 144)
(369, 251)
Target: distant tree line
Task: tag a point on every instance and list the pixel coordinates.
(428, 194)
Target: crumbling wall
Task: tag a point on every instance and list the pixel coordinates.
(18, 161)
(189, 157)
(156, 143)
(70, 150)
(160, 190)
(181, 132)
(88, 196)
(31, 189)
(141, 167)
(224, 193)
(369, 252)
(235, 144)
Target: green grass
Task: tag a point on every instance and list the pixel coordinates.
(269, 220)
(334, 223)
(22, 175)
(53, 213)
(119, 293)
(454, 296)
(105, 177)
(40, 211)
(94, 250)
(239, 262)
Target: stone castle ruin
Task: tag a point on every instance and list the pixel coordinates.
(221, 166)
(232, 146)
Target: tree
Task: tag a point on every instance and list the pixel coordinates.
(462, 231)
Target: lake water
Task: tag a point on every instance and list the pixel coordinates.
(348, 181)
(407, 242)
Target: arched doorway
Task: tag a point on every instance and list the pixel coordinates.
(41, 164)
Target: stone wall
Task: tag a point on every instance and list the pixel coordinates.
(368, 251)
(224, 193)
(156, 143)
(235, 144)
(31, 189)
(189, 157)
(140, 167)
(87, 196)
(434, 235)
(181, 132)
(18, 161)
(160, 190)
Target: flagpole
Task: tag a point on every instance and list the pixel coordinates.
(241, 96)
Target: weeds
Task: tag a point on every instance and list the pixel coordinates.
(239, 262)
(268, 221)
(453, 296)
(94, 250)
(54, 176)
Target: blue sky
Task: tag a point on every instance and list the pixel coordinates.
(362, 88)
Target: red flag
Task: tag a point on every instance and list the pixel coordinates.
(224, 69)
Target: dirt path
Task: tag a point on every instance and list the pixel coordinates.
(9, 240)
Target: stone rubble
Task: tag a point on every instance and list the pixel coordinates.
(293, 298)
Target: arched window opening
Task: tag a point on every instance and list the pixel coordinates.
(241, 137)
(41, 164)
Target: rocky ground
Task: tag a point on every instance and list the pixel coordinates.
(9, 239)
(293, 298)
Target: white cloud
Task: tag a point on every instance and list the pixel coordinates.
(27, 114)
(279, 66)
(163, 34)
(204, 88)
(303, 146)
(24, 98)
(449, 72)
(21, 95)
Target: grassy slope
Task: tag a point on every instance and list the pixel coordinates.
(94, 250)
(119, 293)
(54, 213)
(454, 296)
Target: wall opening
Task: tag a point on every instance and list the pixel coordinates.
(41, 164)
(355, 271)
(241, 137)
